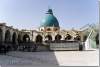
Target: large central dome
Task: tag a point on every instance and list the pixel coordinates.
(49, 20)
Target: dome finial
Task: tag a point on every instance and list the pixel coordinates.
(49, 11)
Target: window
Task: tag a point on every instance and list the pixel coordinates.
(55, 29)
(48, 29)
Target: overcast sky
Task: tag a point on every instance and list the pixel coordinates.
(28, 14)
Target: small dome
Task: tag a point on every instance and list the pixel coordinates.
(49, 20)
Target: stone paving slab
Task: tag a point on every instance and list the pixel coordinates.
(57, 58)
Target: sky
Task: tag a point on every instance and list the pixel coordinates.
(28, 14)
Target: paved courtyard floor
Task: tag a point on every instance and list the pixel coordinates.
(57, 58)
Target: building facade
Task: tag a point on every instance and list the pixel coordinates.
(49, 30)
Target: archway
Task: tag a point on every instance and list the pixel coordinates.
(14, 38)
(39, 39)
(7, 36)
(26, 38)
(49, 37)
(68, 37)
(14, 41)
(19, 38)
(77, 38)
(97, 39)
(58, 37)
(1, 34)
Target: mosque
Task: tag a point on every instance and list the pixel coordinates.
(49, 32)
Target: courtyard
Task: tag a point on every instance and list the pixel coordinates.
(56, 58)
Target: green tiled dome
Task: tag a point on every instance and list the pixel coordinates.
(49, 20)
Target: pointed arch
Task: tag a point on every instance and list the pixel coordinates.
(78, 37)
(49, 37)
(14, 38)
(26, 38)
(19, 38)
(39, 39)
(58, 37)
(7, 36)
(68, 37)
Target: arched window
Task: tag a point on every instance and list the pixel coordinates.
(48, 29)
(55, 29)
(41, 29)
